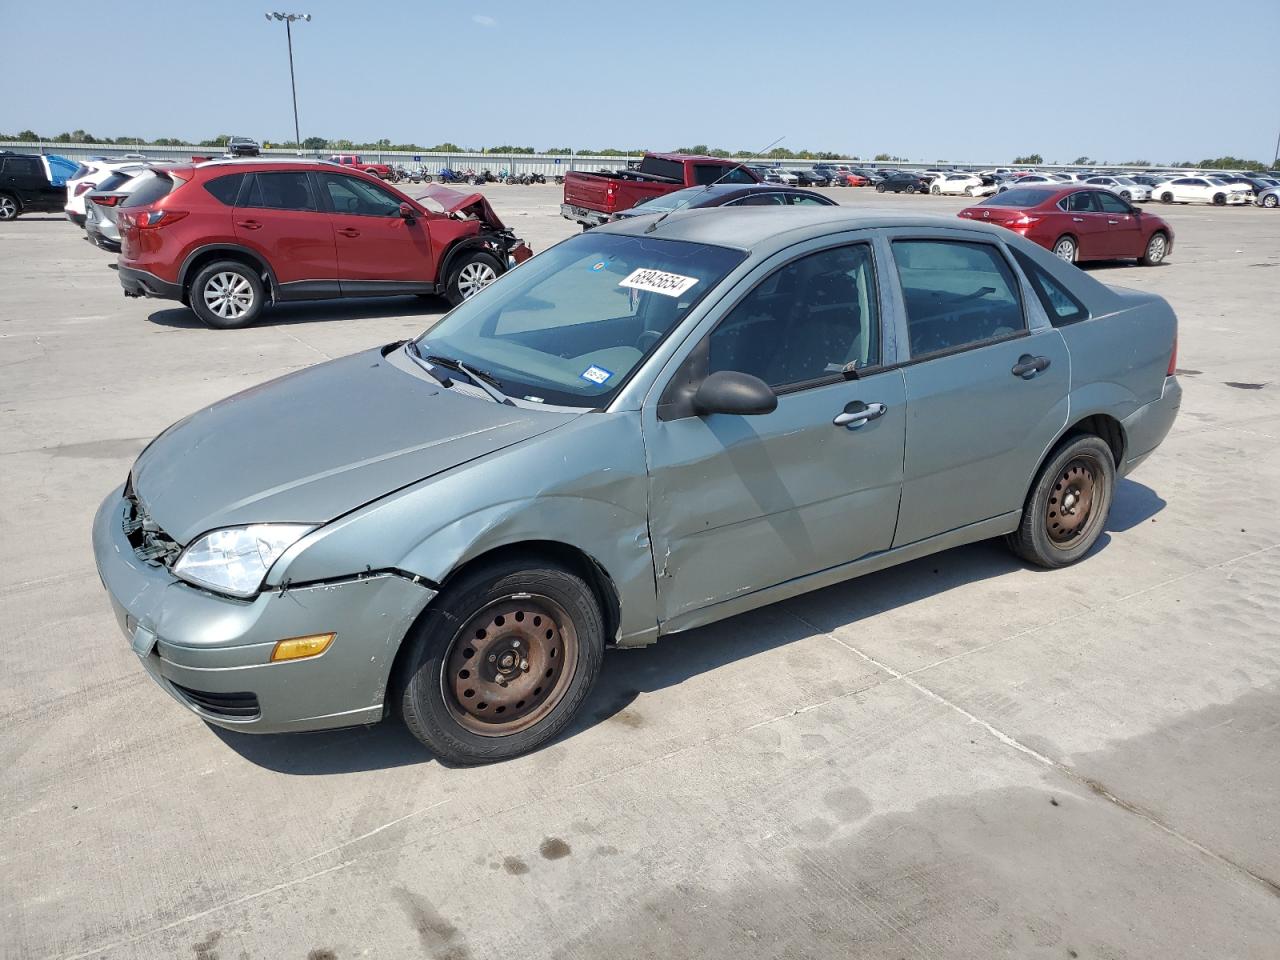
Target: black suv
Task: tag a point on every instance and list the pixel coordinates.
(25, 186)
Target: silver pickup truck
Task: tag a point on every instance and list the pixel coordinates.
(651, 426)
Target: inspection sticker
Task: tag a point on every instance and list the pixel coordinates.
(657, 281)
(595, 374)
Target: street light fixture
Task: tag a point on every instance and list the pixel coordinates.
(289, 19)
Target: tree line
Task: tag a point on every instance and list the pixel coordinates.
(777, 153)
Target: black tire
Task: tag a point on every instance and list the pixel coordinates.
(1126, 195)
(429, 702)
(1041, 537)
(1166, 197)
(1066, 244)
(462, 284)
(881, 188)
(227, 295)
(935, 190)
(1219, 199)
(1157, 249)
(10, 207)
(1271, 201)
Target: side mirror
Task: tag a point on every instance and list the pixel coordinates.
(407, 211)
(735, 393)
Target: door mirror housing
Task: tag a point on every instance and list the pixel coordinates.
(729, 391)
(407, 211)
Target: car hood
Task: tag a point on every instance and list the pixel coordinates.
(458, 203)
(316, 444)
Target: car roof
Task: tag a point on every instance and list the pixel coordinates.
(288, 164)
(748, 228)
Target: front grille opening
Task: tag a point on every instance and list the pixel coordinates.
(233, 706)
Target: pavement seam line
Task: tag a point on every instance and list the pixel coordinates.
(1092, 785)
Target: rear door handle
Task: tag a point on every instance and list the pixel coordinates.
(1113, 221)
(857, 413)
(1077, 219)
(349, 232)
(249, 224)
(1028, 366)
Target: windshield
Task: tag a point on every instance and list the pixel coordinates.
(570, 326)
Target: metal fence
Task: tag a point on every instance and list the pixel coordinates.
(548, 165)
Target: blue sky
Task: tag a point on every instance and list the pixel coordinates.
(926, 80)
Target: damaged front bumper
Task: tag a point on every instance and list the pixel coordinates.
(213, 654)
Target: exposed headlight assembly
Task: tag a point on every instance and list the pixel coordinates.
(235, 560)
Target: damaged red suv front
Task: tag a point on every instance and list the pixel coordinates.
(229, 238)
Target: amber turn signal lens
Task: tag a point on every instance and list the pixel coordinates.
(299, 648)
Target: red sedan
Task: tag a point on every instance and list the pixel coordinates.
(1078, 222)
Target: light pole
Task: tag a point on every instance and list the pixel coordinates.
(288, 19)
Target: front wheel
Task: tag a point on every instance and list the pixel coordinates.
(881, 188)
(227, 294)
(472, 273)
(1067, 508)
(1157, 247)
(1271, 201)
(1126, 195)
(502, 661)
(1219, 199)
(1066, 249)
(935, 189)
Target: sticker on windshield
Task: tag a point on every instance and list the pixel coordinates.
(596, 375)
(657, 281)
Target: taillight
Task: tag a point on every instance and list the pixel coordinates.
(158, 218)
(1021, 220)
(107, 201)
(609, 198)
(84, 187)
(1173, 357)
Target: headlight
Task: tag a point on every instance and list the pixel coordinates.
(236, 560)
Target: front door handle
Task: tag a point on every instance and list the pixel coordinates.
(249, 224)
(349, 232)
(1113, 221)
(857, 413)
(1077, 219)
(1028, 366)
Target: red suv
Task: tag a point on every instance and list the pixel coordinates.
(228, 237)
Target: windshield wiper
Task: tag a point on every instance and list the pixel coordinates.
(482, 379)
(411, 348)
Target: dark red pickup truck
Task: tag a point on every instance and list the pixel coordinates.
(380, 170)
(592, 198)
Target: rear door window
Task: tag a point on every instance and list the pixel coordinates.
(957, 294)
(1058, 302)
(283, 190)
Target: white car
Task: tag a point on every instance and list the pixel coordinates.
(778, 175)
(1030, 178)
(955, 184)
(87, 177)
(1203, 190)
(1127, 188)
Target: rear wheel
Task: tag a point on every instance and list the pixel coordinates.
(1157, 247)
(8, 207)
(227, 294)
(1066, 249)
(1067, 508)
(472, 273)
(502, 661)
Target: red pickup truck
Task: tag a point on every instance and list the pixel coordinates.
(380, 170)
(592, 198)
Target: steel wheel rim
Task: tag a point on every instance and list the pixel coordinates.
(1065, 250)
(474, 277)
(7, 207)
(1155, 249)
(229, 295)
(510, 665)
(1069, 515)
